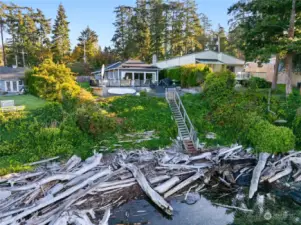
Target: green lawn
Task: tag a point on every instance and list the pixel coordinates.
(29, 101)
(84, 85)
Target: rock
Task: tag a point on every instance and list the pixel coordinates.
(192, 198)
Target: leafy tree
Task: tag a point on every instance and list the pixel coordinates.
(60, 38)
(268, 27)
(88, 45)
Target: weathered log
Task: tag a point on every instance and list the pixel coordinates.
(263, 157)
(72, 162)
(233, 207)
(231, 150)
(42, 161)
(162, 188)
(206, 155)
(183, 166)
(57, 198)
(89, 164)
(106, 217)
(154, 196)
(183, 184)
(155, 180)
(42, 182)
(279, 175)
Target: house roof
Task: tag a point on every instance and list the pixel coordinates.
(130, 64)
(205, 57)
(9, 73)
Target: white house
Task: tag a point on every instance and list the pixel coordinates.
(216, 60)
(129, 73)
(11, 80)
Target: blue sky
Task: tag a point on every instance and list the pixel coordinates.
(98, 14)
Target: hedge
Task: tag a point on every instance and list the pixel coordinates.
(189, 75)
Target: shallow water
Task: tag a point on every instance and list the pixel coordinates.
(270, 210)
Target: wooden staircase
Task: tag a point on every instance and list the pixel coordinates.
(186, 130)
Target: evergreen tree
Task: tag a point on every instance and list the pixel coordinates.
(123, 37)
(156, 27)
(192, 27)
(205, 37)
(177, 28)
(141, 31)
(28, 30)
(60, 38)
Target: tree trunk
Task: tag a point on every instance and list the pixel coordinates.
(289, 73)
(275, 76)
(289, 57)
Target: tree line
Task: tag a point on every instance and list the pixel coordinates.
(32, 39)
(165, 29)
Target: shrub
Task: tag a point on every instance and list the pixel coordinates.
(218, 87)
(266, 137)
(257, 82)
(93, 120)
(297, 129)
(53, 82)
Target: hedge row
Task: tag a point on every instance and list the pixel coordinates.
(188, 75)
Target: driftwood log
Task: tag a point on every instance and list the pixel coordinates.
(58, 193)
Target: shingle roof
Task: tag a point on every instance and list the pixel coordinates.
(8, 73)
(131, 64)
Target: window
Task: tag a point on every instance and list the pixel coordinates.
(20, 82)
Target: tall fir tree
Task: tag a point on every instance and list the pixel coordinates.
(141, 31)
(60, 38)
(123, 37)
(177, 28)
(156, 27)
(192, 27)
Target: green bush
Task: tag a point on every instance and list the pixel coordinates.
(95, 121)
(54, 82)
(266, 137)
(189, 75)
(218, 87)
(297, 129)
(257, 82)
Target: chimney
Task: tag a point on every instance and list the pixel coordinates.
(154, 59)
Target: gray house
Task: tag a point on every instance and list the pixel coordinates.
(134, 73)
(11, 80)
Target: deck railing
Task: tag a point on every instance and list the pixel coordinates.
(172, 94)
(125, 83)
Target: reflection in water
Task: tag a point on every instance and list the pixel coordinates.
(201, 213)
(268, 209)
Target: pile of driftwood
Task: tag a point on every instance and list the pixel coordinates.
(57, 193)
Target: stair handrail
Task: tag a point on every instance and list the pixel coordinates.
(192, 131)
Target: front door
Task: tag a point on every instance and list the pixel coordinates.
(15, 86)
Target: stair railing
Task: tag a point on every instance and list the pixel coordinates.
(172, 94)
